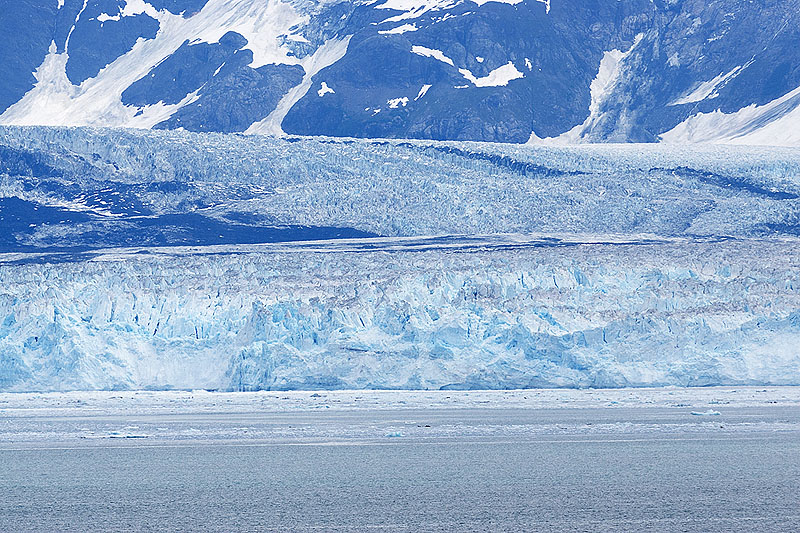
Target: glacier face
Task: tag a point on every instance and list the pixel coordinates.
(136, 259)
(408, 313)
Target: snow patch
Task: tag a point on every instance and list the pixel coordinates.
(497, 78)
(325, 90)
(130, 9)
(405, 28)
(394, 103)
(297, 38)
(510, 2)
(430, 52)
(412, 9)
(261, 23)
(707, 89)
(546, 5)
(776, 123)
(423, 91)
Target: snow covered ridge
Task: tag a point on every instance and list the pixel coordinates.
(497, 70)
(597, 315)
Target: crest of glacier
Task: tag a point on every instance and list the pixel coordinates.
(460, 265)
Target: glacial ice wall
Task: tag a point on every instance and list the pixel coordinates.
(136, 259)
(389, 315)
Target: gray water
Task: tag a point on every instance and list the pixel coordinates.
(706, 477)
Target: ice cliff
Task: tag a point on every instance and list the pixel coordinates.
(392, 315)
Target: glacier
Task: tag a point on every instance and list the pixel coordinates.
(407, 313)
(132, 259)
(105, 188)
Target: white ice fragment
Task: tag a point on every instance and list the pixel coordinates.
(430, 52)
(325, 89)
(394, 103)
(423, 91)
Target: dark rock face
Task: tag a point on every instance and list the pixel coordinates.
(230, 94)
(489, 71)
(236, 97)
(693, 42)
(22, 54)
(557, 54)
(185, 71)
(117, 37)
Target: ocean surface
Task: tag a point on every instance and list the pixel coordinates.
(710, 461)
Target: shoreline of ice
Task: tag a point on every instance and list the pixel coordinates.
(142, 419)
(130, 403)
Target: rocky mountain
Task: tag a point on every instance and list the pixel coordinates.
(542, 71)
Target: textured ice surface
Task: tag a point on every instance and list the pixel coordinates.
(82, 188)
(591, 266)
(534, 313)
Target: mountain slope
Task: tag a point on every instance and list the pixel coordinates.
(505, 70)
